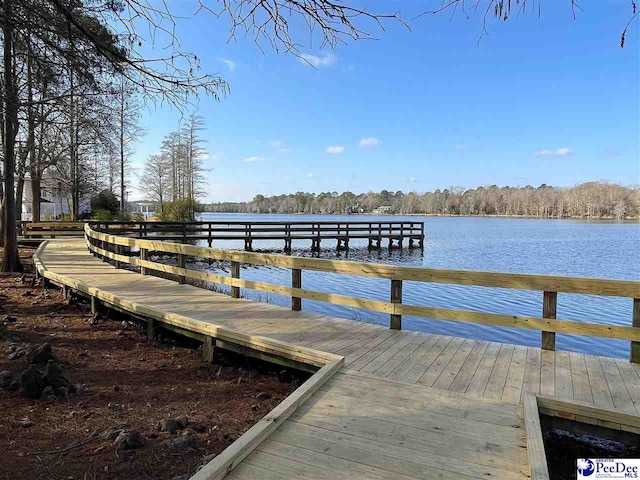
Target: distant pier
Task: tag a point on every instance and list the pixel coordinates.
(394, 234)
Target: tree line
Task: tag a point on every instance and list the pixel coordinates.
(587, 200)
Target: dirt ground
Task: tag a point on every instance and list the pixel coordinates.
(125, 382)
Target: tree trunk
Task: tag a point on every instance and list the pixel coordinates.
(19, 197)
(10, 258)
(122, 185)
(36, 196)
(34, 166)
(73, 153)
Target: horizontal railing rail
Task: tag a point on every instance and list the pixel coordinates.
(111, 247)
(52, 229)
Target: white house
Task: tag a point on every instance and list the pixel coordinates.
(53, 200)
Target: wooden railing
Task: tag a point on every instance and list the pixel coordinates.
(52, 229)
(111, 247)
(342, 232)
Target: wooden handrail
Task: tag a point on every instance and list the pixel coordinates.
(547, 284)
(52, 229)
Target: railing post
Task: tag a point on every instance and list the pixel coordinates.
(635, 346)
(235, 273)
(116, 250)
(151, 328)
(296, 282)
(208, 349)
(144, 253)
(181, 264)
(396, 297)
(549, 307)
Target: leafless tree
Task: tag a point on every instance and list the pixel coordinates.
(156, 178)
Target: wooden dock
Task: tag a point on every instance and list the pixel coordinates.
(375, 233)
(388, 403)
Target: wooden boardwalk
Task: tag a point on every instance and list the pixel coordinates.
(398, 390)
(355, 428)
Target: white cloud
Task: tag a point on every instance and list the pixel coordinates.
(276, 143)
(558, 152)
(413, 180)
(310, 175)
(324, 60)
(285, 150)
(369, 142)
(461, 148)
(231, 65)
(254, 158)
(208, 156)
(335, 149)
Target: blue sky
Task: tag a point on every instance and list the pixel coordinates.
(538, 100)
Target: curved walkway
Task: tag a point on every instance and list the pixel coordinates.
(405, 405)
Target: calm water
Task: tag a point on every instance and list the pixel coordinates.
(555, 247)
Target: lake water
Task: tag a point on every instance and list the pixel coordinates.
(554, 247)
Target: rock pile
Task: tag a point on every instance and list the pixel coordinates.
(44, 376)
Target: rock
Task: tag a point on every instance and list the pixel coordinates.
(6, 377)
(115, 388)
(15, 386)
(17, 352)
(187, 442)
(170, 426)
(9, 319)
(83, 354)
(31, 381)
(62, 393)
(26, 423)
(5, 334)
(183, 421)
(42, 353)
(27, 293)
(263, 396)
(129, 439)
(54, 376)
(48, 391)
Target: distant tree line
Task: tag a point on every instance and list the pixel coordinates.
(587, 200)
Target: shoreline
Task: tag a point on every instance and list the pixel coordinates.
(529, 217)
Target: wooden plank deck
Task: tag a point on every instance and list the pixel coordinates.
(406, 405)
(362, 427)
(472, 367)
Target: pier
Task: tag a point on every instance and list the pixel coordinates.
(394, 234)
(383, 402)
